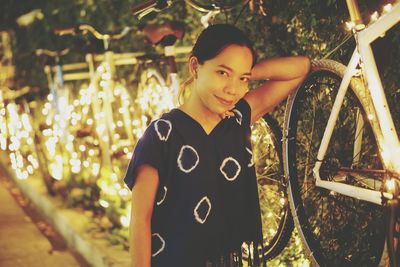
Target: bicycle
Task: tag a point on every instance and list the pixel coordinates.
(341, 148)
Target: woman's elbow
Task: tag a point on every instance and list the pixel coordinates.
(304, 64)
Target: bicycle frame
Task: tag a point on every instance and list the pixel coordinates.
(388, 143)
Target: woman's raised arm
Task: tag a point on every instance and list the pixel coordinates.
(282, 75)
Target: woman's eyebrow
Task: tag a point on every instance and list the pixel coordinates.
(231, 70)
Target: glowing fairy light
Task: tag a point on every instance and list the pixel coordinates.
(101, 95)
(124, 221)
(100, 129)
(106, 188)
(75, 165)
(123, 192)
(387, 8)
(117, 91)
(101, 68)
(126, 150)
(89, 121)
(374, 16)
(82, 148)
(129, 155)
(33, 161)
(370, 117)
(47, 132)
(48, 121)
(25, 122)
(3, 143)
(350, 25)
(24, 175)
(51, 146)
(86, 164)
(272, 231)
(106, 76)
(29, 141)
(85, 110)
(50, 97)
(114, 176)
(120, 123)
(91, 152)
(114, 147)
(282, 200)
(104, 203)
(30, 169)
(56, 168)
(95, 169)
(390, 185)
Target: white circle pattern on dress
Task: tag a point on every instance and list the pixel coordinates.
(224, 163)
(251, 157)
(163, 198)
(157, 235)
(197, 216)
(184, 150)
(163, 136)
(238, 116)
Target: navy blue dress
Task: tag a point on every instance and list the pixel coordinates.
(207, 201)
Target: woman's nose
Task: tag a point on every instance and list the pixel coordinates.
(230, 87)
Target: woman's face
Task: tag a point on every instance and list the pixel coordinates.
(223, 80)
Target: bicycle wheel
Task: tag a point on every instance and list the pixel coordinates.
(336, 230)
(276, 218)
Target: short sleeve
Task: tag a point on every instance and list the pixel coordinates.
(150, 149)
(242, 112)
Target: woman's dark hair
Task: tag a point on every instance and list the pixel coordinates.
(215, 38)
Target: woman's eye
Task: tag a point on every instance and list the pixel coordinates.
(222, 73)
(245, 79)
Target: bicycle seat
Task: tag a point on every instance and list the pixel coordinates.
(165, 34)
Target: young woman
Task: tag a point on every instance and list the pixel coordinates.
(194, 191)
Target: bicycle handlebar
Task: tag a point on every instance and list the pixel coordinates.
(52, 53)
(84, 28)
(146, 7)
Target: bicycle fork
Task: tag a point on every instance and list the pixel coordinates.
(342, 188)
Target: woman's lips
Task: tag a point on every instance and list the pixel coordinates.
(225, 102)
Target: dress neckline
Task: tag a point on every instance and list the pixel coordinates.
(195, 122)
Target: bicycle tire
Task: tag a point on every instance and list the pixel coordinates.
(349, 232)
(275, 212)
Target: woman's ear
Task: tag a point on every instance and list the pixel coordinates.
(193, 66)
